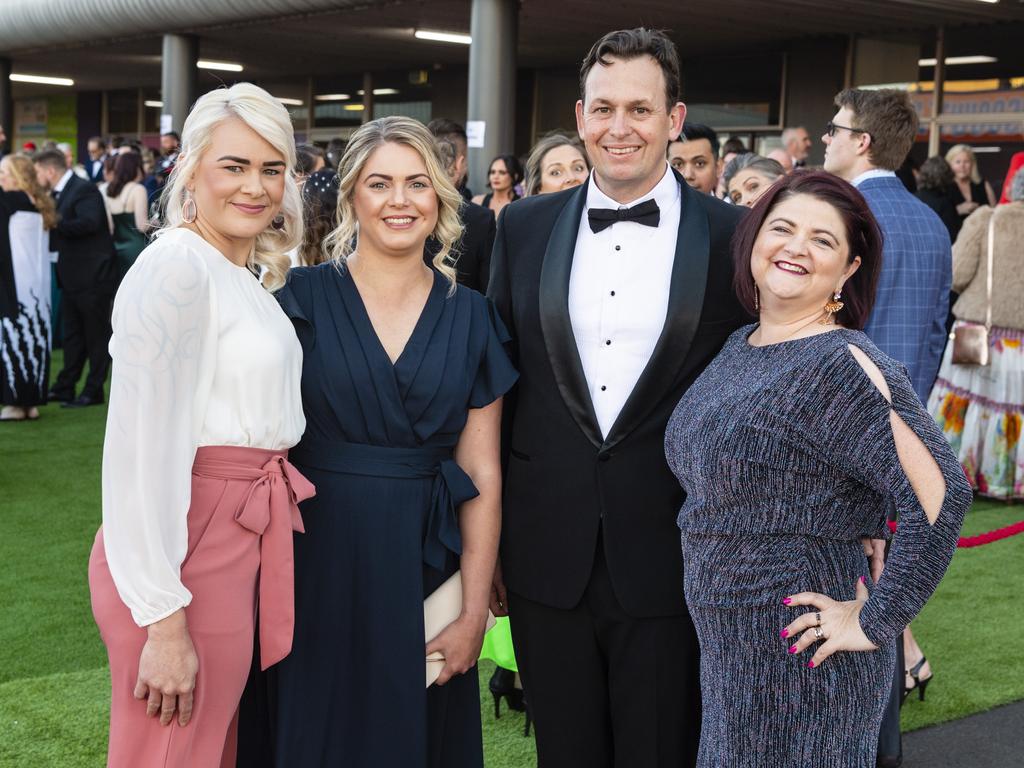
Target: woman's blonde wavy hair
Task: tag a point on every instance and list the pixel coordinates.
(268, 117)
(23, 170)
(342, 242)
(955, 150)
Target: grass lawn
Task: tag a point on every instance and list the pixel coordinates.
(53, 679)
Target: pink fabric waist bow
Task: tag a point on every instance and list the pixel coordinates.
(270, 510)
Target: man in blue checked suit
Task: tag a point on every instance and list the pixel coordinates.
(865, 143)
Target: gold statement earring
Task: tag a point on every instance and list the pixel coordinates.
(757, 299)
(188, 209)
(831, 307)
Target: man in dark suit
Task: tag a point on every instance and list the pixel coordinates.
(473, 252)
(617, 294)
(97, 149)
(85, 271)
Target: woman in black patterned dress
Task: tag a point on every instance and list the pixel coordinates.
(26, 213)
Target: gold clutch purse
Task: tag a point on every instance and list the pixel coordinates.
(441, 608)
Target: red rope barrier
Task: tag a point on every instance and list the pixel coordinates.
(983, 538)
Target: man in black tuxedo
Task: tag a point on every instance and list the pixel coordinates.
(97, 149)
(473, 251)
(617, 294)
(85, 271)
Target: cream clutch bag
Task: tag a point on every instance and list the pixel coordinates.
(441, 608)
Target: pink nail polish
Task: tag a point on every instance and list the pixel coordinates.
(784, 633)
(862, 580)
(810, 664)
(792, 649)
(786, 600)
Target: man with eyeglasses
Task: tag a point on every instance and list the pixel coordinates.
(865, 142)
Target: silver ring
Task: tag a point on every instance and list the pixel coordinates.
(817, 616)
(819, 633)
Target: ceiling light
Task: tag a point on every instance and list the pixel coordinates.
(353, 107)
(379, 92)
(42, 80)
(443, 37)
(954, 60)
(223, 66)
(986, 150)
(291, 102)
(332, 97)
(154, 104)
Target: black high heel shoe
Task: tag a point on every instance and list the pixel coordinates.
(503, 685)
(919, 683)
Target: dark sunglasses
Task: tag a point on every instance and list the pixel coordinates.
(831, 128)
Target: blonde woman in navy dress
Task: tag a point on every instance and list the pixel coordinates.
(199, 500)
(402, 381)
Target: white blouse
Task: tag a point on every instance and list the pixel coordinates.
(202, 355)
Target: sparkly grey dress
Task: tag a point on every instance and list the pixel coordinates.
(787, 457)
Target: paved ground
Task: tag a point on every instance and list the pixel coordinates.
(993, 739)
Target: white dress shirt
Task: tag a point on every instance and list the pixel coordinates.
(203, 355)
(618, 294)
(59, 186)
(874, 173)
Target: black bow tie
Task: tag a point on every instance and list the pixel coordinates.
(646, 213)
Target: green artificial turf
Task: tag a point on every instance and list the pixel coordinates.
(53, 680)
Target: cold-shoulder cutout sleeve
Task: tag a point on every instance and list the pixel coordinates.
(496, 374)
(164, 352)
(855, 434)
(293, 296)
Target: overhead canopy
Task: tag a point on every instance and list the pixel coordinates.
(116, 43)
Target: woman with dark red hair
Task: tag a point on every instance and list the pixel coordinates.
(792, 446)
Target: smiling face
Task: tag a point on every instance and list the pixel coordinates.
(801, 256)
(395, 202)
(498, 177)
(625, 125)
(561, 168)
(238, 183)
(696, 163)
(963, 166)
(747, 186)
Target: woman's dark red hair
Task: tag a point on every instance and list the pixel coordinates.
(862, 234)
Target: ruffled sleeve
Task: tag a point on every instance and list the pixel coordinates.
(495, 374)
(164, 351)
(855, 433)
(293, 297)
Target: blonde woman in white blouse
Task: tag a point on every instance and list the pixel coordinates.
(199, 500)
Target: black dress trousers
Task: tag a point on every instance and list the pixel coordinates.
(607, 689)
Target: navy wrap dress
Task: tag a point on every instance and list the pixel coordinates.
(382, 532)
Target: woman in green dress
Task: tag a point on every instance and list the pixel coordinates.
(127, 205)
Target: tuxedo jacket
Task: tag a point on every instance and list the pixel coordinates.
(82, 238)
(96, 177)
(473, 251)
(564, 481)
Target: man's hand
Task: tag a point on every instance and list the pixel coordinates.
(874, 551)
(499, 595)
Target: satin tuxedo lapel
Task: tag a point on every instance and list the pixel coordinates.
(555, 323)
(685, 302)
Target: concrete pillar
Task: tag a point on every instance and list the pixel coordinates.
(367, 113)
(179, 81)
(494, 27)
(934, 127)
(6, 104)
